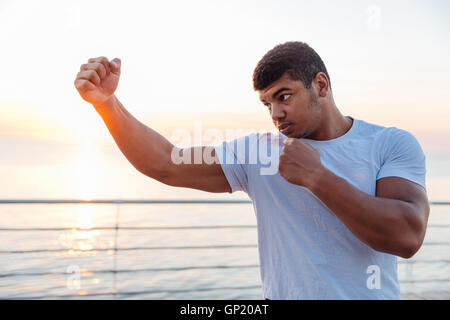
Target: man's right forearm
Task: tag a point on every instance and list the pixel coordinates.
(147, 150)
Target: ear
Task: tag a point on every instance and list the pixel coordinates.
(321, 84)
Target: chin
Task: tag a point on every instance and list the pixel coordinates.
(291, 135)
(296, 135)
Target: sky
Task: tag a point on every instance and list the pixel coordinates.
(184, 61)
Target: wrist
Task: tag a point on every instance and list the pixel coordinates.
(106, 104)
(322, 179)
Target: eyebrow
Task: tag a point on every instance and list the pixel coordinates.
(278, 92)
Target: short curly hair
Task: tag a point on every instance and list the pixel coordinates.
(296, 58)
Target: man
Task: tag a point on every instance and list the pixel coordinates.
(348, 197)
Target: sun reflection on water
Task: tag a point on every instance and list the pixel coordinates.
(82, 240)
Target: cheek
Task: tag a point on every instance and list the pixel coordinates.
(304, 121)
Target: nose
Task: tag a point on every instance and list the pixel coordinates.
(277, 112)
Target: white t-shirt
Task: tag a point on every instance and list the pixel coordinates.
(305, 251)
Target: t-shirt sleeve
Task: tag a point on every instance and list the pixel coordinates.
(231, 156)
(402, 156)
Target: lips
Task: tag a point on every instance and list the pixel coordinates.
(285, 128)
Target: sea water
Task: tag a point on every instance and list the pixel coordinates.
(222, 263)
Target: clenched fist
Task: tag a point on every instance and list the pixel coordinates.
(98, 79)
(300, 163)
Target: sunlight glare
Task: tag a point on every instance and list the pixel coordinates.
(86, 165)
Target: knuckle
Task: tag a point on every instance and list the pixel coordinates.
(82, 74)
(80, 83)
(86, 85)
(98, 59)
(103, 60)
(100, 68)
(93, 76)
(92, 73)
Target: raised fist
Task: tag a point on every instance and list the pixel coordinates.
(98, 79)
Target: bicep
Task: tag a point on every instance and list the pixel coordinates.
(408, 191)
(197, 168)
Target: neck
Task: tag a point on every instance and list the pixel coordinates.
(331, 123)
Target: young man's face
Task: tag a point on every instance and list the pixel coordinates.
(294, 109)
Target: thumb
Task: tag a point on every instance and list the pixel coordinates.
(115, 65)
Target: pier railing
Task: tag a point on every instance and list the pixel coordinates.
(115, 249)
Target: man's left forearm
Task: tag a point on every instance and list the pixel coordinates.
(387, 225)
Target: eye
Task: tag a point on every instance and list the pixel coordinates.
(284, 97)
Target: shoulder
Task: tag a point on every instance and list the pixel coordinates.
(395, 138)
(389, 143)
(371, 130)
(386, 136)
(402, 156)
(401, 146)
